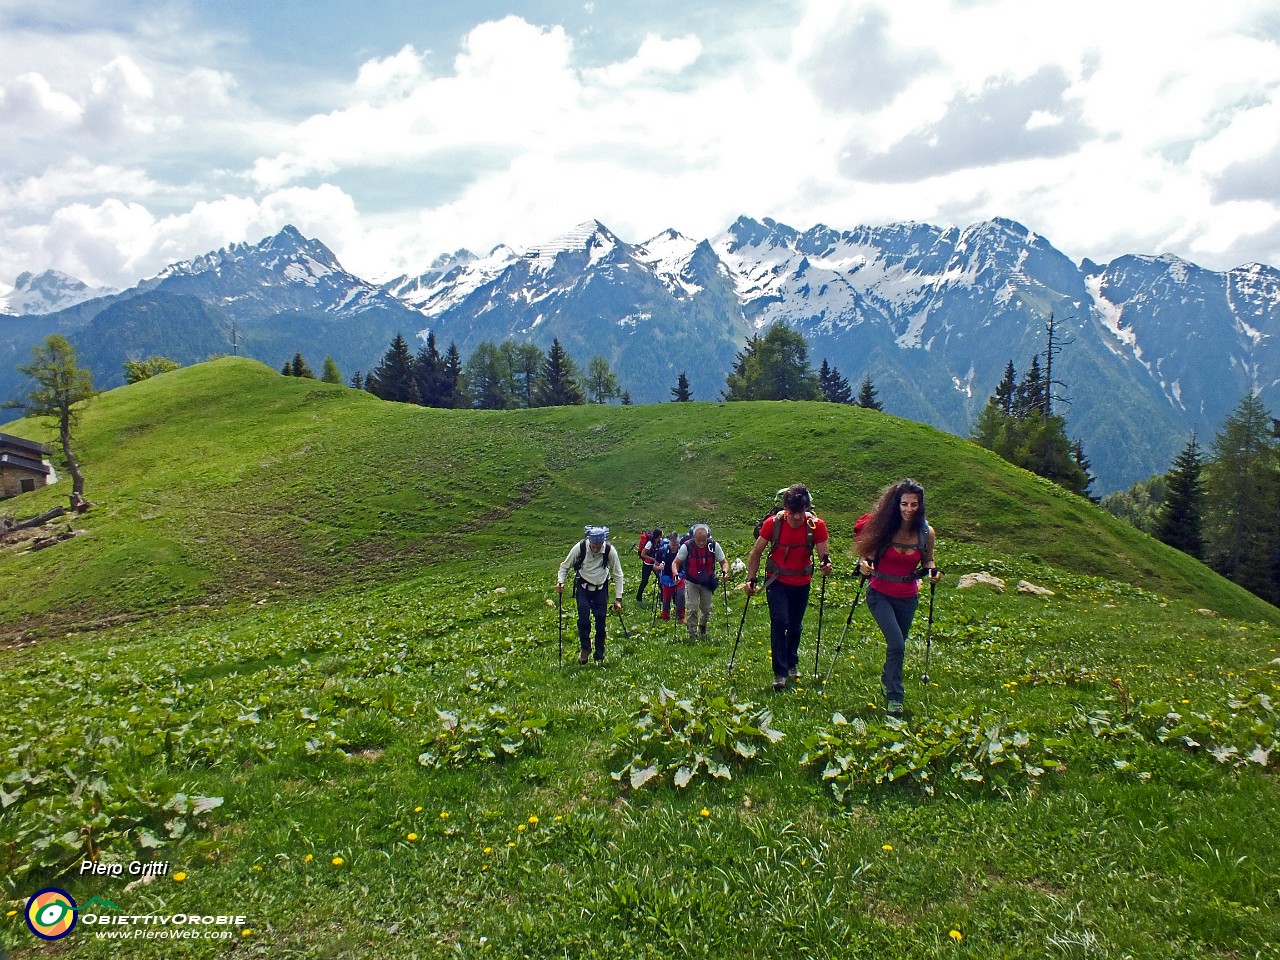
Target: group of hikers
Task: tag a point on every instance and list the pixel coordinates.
(894, 544)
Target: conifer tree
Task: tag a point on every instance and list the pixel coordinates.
(868, 399)
(773, 367)
(681, 393)
(357, 380)
(601, 383)
(1242, 502)
(1031, 393)
(835, 388)
(1181, 519)
(558, 385)
(394, 378)
(299, 368)
(331, 373)
(428, 369)
(1007, 390)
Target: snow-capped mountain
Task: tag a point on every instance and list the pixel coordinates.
(1151, 347)
(48, 292)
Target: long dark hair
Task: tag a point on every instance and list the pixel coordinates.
(886, 518)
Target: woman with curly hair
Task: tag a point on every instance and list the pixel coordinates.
(895, 549)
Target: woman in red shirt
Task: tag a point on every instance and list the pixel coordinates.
(895, 547)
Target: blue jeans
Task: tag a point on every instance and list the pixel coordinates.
(787, 604)
(893, 615)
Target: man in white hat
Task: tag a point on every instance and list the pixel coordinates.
(595, 562)
(697, 560)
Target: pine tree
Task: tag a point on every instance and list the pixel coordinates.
(1031, 393)
(357, 380)
(299, 368)
(835, 388)
(428, 368)
(394, 379)
(1007, 390)
(451, 378)
(487, 377)
(331, 373)
(625, 399)
(1181, 519)
(868, 399)
(558, 385)
(1242, 502)
(525, 362)
(681, 393)
(287, 369)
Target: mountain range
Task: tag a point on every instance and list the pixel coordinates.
(1151, 347)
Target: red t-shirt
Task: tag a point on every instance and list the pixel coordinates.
(790, 553)
(897, 564)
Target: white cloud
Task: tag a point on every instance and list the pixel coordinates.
(30, 107)
(656, 56)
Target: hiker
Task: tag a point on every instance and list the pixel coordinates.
(649, 540)
(672, 583)
(792, 536)
(895, 547)
(595, 562)
(696, 562)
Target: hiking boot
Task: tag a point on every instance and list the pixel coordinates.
(666, 615)
(894, 708)
(780, 682)
(702, 630)
(599, 658)
(582, 656)
(793, 672)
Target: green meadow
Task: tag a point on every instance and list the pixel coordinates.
(307, 655)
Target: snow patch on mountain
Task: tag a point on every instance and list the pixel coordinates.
(48, 292)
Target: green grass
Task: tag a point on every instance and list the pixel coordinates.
(335, 616)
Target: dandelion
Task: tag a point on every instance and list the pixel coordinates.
(12, 913)
(510, 844)
(444, 814)
(308, 858)
(488, 850)
(533, 820)
(337, 861)
(558, 819)
(484, 868)
(520, 829)
(411, 836)
(417, 809)
(246, 932)
(704, 812)
(257, 868)
(956, 935)
(179, 877)
(887, 848)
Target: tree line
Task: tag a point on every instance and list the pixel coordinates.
(1222, 507)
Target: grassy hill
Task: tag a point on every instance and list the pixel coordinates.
(307, 654)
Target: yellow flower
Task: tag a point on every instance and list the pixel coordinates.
(887, 848)
(558, 819)
(444, 814)
(411, 836)
(520, 828)
(12, 913)
(488, 850)
(511, 843)
(257, 868)
(484, 868)
(308, 858)
(417, 809)
(533, 819)
(179, 877)
(704, 812)
(246, 932)
(956, 935)
(337, 861)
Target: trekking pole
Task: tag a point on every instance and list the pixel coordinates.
(623, 622)
(928, 634)
(817, 647)
(560, 621)
(848, 620)
(741, 621)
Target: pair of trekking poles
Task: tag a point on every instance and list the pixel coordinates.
(822, 597)
(560, 620)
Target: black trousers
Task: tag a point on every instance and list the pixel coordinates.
(592, 604)
(645, 574)
(787, 604)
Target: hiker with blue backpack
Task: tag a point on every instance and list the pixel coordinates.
(594, 563)
(696, 561)
(793, 536)
(894, 544)
(671, 582)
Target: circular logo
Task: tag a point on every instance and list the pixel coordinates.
(51, 913)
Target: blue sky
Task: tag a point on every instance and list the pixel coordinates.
(133, 135)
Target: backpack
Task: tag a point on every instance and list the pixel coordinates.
(772, 566)
(700, 565)
(582, 555)
(644, 539)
